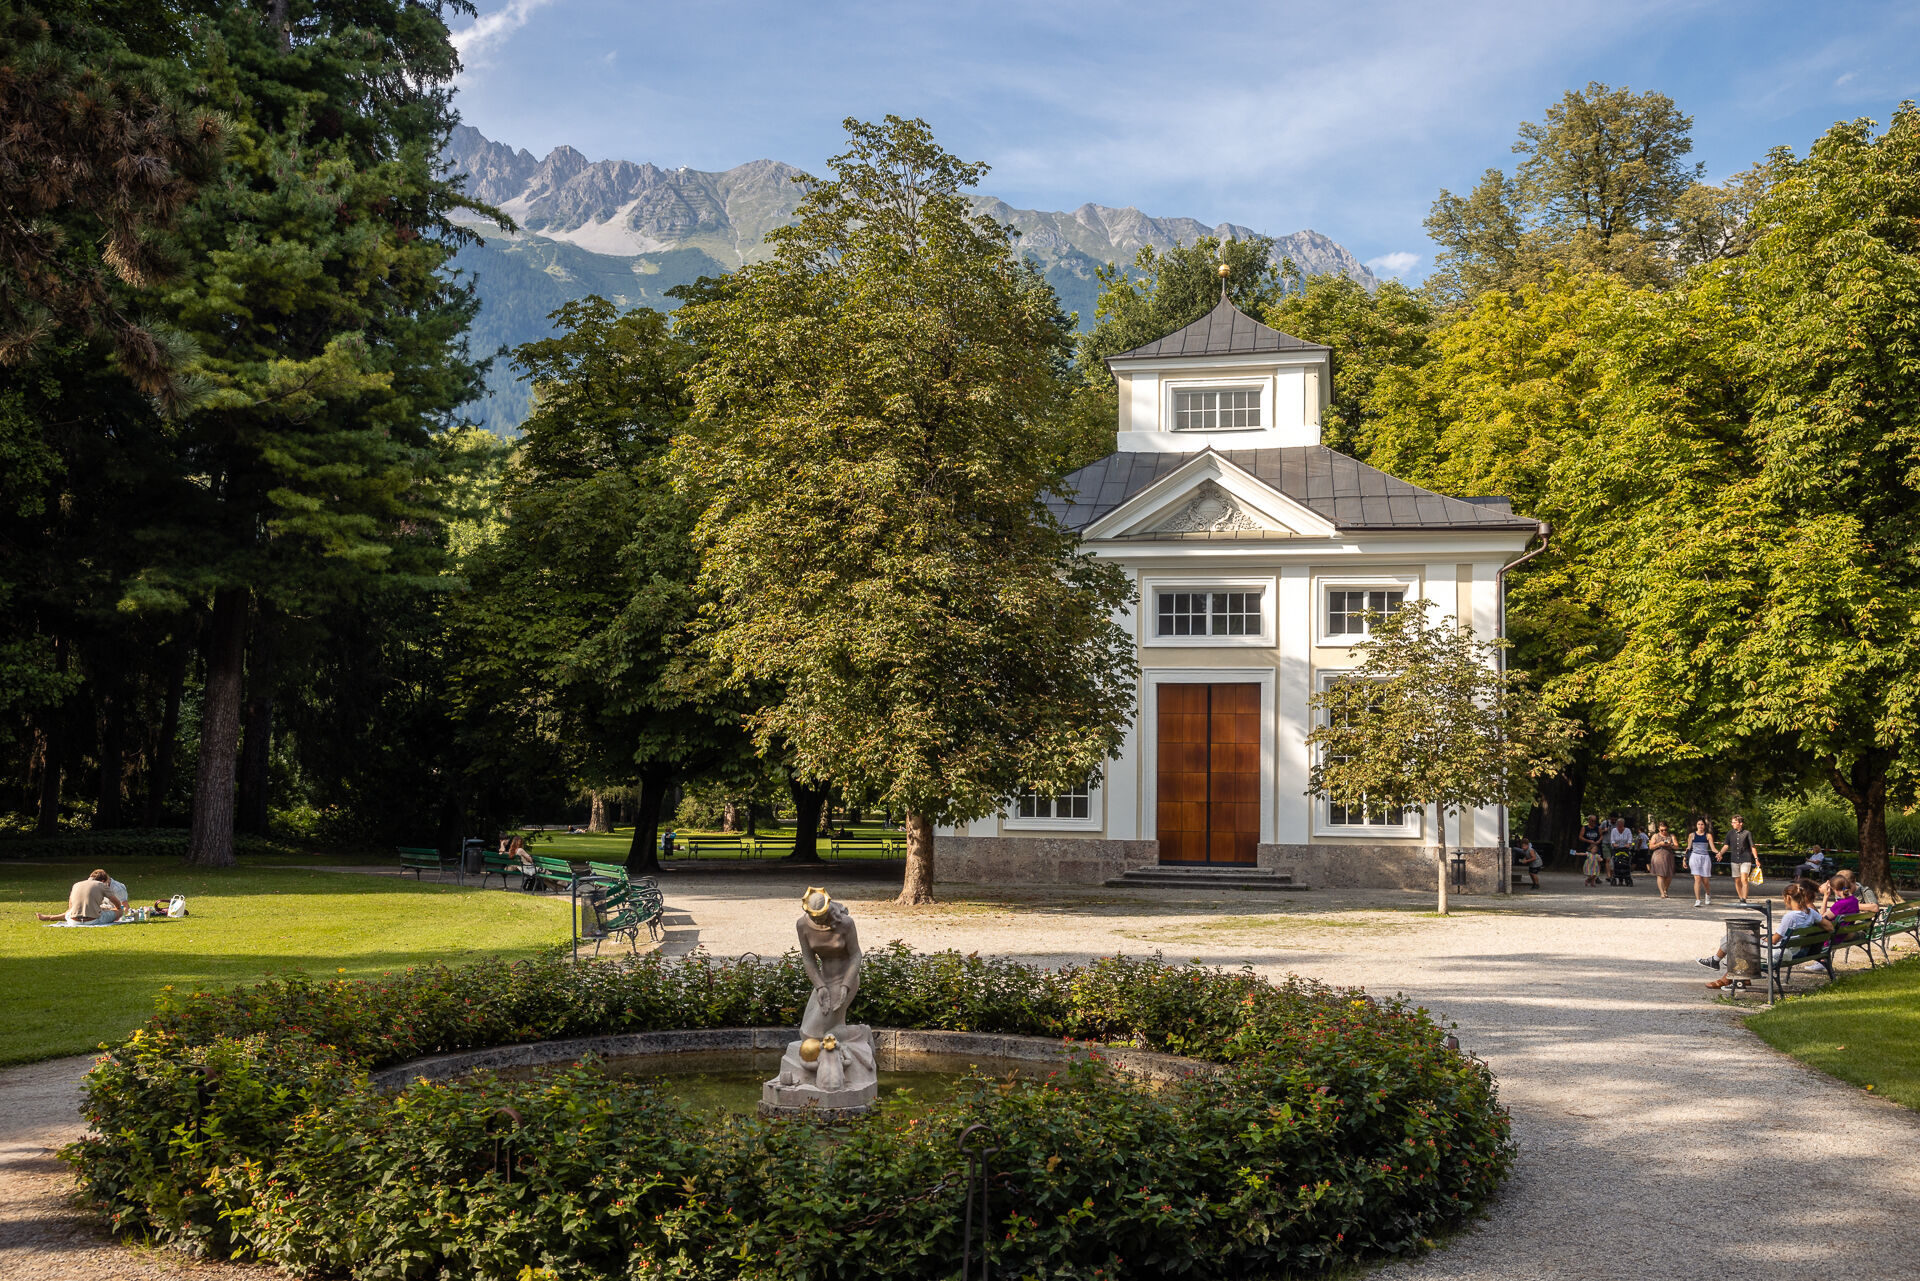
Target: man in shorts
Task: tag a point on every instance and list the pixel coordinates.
(1741, 854)
(89, 901)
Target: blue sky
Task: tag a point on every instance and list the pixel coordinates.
(1344, 117)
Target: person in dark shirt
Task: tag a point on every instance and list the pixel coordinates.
(1741, 854)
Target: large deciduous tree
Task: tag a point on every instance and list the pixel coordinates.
(1602, 185)
(874, 438)
(1775, 593)
(574, 638)
(1430, 719)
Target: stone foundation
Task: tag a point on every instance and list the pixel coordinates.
(1037, 860)
(1378, 867)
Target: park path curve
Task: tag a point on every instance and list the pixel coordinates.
(1658, 1138)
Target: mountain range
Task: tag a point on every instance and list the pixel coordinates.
(630, 232)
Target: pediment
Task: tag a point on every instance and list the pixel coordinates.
(1210, 498)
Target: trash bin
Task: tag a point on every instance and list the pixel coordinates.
(1459, 873)
(473, 857)
(1743, 948)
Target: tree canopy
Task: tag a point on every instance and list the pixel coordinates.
(871, 443)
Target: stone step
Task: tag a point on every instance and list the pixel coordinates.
(1208, 877)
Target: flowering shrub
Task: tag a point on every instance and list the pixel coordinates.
(1340, 1129)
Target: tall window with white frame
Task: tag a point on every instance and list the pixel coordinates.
(1209, 613)
(1216, 409)
(1077, 803)
(1348, 607)
(1364, 815)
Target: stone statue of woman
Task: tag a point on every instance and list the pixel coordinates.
(831, 1068)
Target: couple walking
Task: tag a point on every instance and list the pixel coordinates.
(1702, 850)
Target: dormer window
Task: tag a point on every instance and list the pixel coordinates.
(1216, 409)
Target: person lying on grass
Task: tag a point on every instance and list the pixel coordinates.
(1800, 911)
(98, 898)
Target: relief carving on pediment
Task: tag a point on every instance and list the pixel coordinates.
(1211, 510)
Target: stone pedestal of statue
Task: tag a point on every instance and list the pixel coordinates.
(830, 1076)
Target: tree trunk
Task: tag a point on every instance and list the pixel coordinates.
(210, 842)
(1864, 786)
(597, 813)
(643, 856)
(113, 760)
(53, 754)
(1555, 820)
(808, 804)
(160, 777)
(1440, 812)
(730, 817)
(257, 742)
(918, 885)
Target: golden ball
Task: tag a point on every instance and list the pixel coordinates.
(810, 1049)
(1225, 271)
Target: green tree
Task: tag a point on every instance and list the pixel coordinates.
(1599, 188)
(1430, 719)
(1370, 332)
(575, 635)
(1775, 593)
(330, 342)
(874, 441)
(1167, 290)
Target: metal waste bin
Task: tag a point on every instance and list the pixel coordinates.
(1743, 948)
(1458, 868)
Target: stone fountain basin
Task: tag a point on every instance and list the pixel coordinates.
(894, 1048)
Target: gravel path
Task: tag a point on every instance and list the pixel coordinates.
(1650, 1123)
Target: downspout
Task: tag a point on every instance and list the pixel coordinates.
(1545, 533)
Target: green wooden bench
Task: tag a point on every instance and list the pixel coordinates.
(556, 872)
(1856, 931)
(1804, 946)
(498, 864)
(708, 847)
(613, 873)
(1901, 918)
(621, 909)
(867, 847)
(419, 858)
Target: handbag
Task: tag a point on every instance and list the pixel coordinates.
(1756, 877)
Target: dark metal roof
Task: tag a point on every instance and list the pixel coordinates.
(1224, 331)
(1341, 490)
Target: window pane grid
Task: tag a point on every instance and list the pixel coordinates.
(1223, 613)
(1347, 608)
(1075, 804)
(1230, 410)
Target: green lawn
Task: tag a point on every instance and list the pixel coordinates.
(64, 991)
(1865, 1029)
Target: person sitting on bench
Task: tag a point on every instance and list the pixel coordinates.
(1800, 912)
(1817, 866)
(89, 901)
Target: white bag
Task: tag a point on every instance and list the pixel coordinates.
(177, 905)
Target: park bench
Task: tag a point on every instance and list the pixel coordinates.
(1803, 946)
(708, 847)
(1901, 918)
(418, 859)
(498, 864)
(556, 872)
(611, 873)
(867, 847)
(1856, 931)
(623, 908)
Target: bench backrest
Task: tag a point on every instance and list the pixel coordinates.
(417, 851)
(611, 871)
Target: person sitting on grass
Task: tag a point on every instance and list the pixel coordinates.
(1800, 912)
(90, 901)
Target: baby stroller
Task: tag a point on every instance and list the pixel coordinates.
(1622, 868)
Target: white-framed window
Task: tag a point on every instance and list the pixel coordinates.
(1078, 808)
(1181, 611)
(1342, 605)
(1363, 819)
(1216, 409)
(1208, 613)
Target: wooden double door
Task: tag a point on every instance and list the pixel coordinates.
(1208, 794)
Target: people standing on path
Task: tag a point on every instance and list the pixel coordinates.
(1596, 865)
(1620, 850)
(1661, 848)
(1701, 851)
(1742, 855)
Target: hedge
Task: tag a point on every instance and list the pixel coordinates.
(1341, 1129)
(109, 844)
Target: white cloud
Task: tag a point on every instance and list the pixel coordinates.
(489, 29)
(1398, 263)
